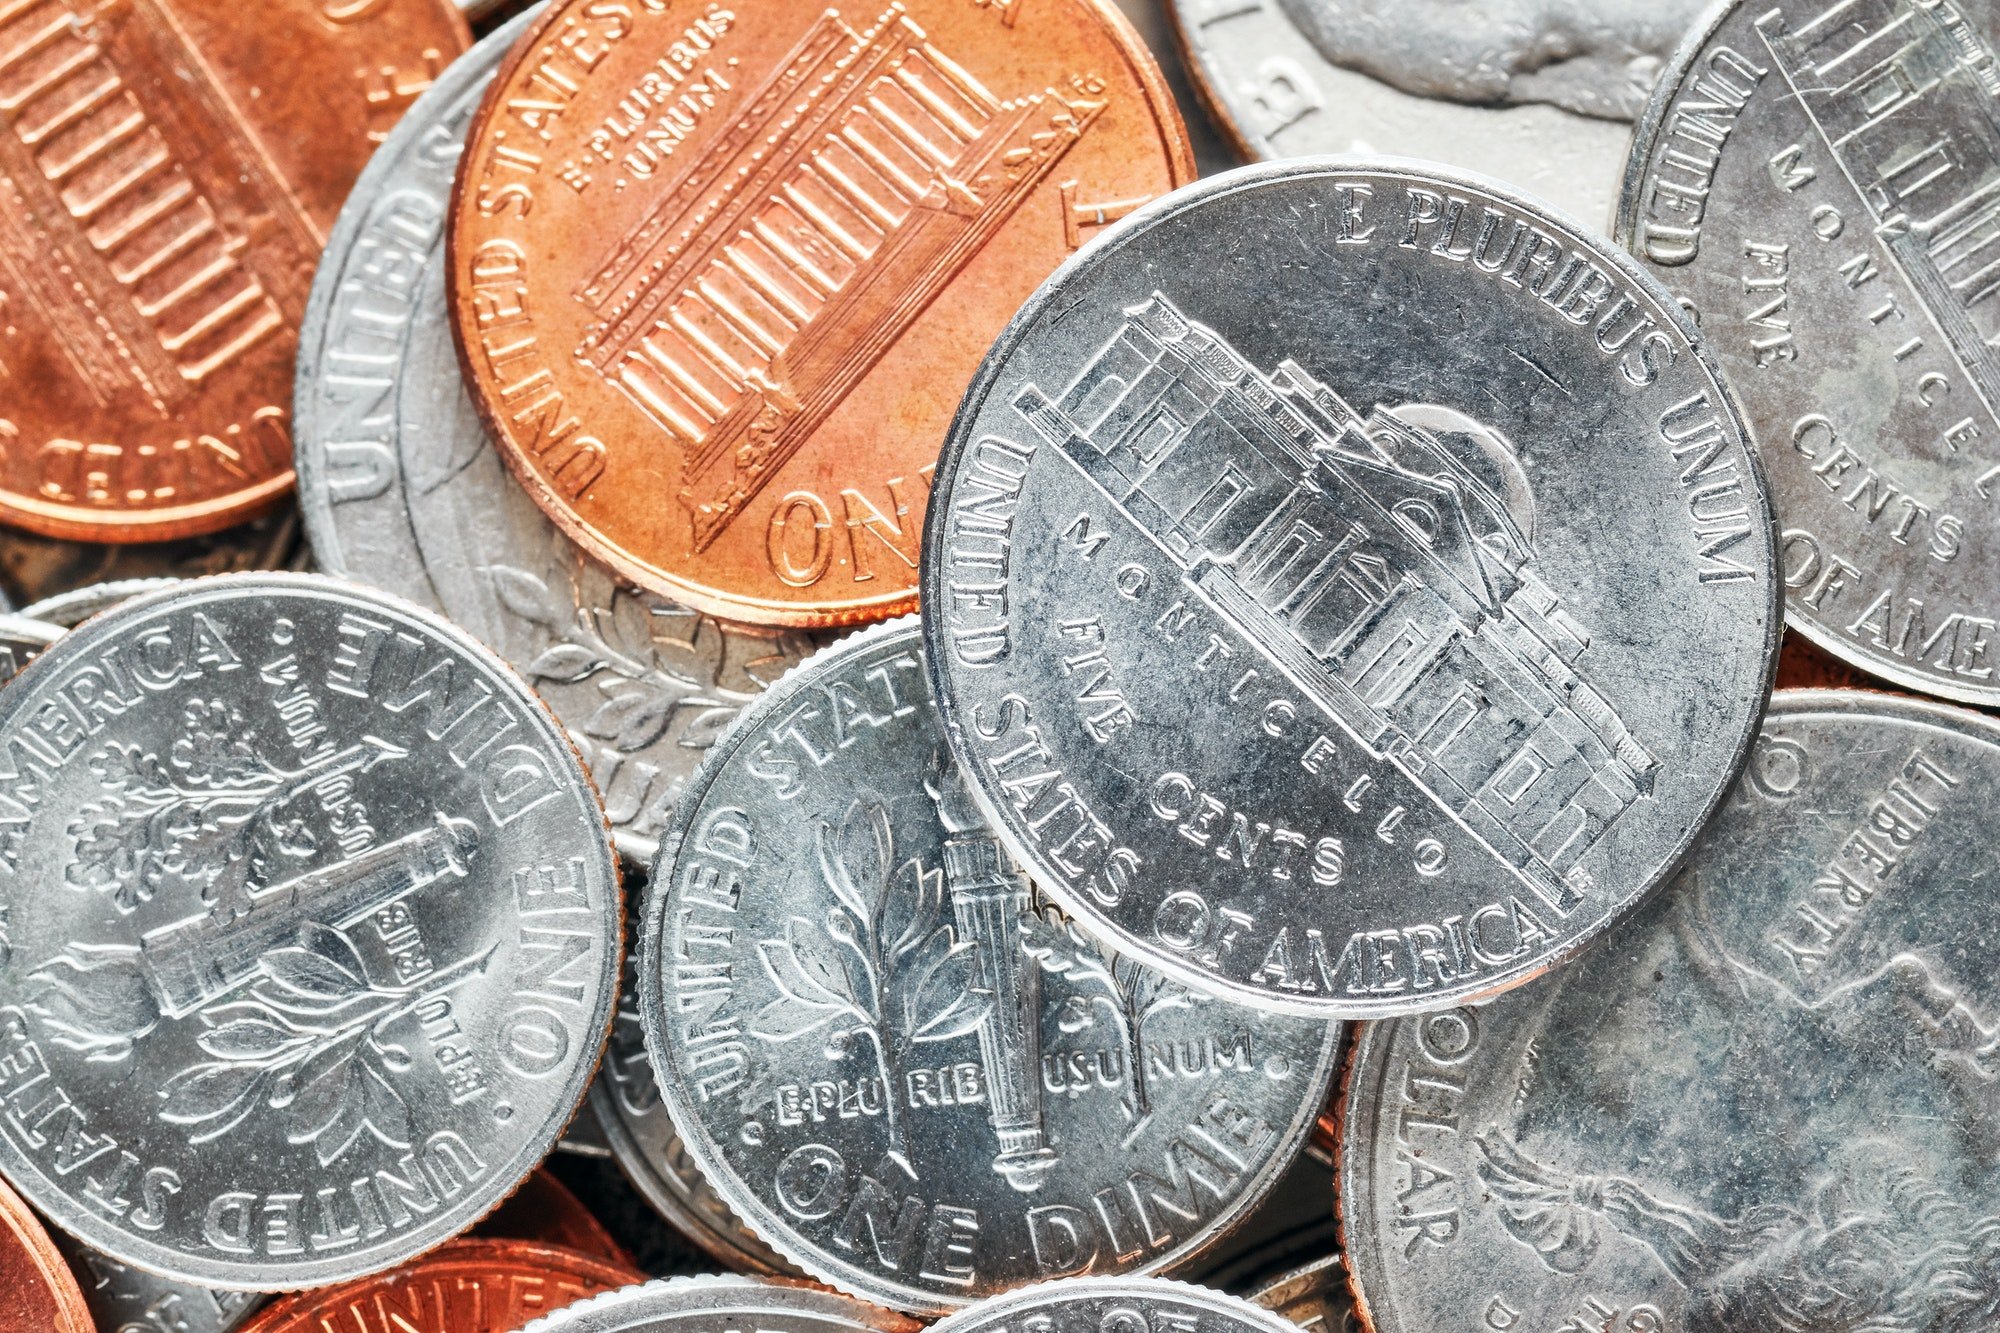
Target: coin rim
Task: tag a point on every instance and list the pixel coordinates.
(577, 1317)
(991, 1314)
(299, 1274)
(959, 441)
(1173, 142)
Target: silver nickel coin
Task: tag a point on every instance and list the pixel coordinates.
(1764, 1102)
(1314, 1296)
(401, 489)
(1541, 93)
(900, 1068)
(704, 1304)
(124, 1299)
(22, 640)
(1102, 1304)
(627, 1109)
(1839, 251)
(309, 931)
(1349, 588)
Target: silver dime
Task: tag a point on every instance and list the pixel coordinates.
(1539, 92)
(1765, 1102)
(1314, 1297)
(1817, 180)
(705, 1304)
(830, 918)
(401, 489)
(1114, 1305)
(1348, 587)
(627, 1110)
(308, 931)
(22, 639)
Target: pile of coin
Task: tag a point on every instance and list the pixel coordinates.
(693, 664)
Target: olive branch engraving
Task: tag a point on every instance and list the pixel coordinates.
(1126, 992)
(650, 684)
(881, 970)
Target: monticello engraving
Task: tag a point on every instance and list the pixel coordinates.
(1386, 565)
(1906, 96)
(847, 192)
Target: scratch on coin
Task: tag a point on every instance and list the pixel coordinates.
(1535, 366)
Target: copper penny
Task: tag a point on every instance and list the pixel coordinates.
(468, 1286)
(544, 1210)
(38, 1294)
(721, 271)
(168, 170)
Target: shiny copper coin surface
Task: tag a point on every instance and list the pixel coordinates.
(721, 271)
(38, 1294)
(468, 1286)
(168, 170)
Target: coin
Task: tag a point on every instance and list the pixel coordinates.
(35, 569)
(642, 1138)
(168, 172)
(1315, 1297)
(311, 931)
(698, 1304)
(402, 489)
(67, 610)
(1837, 248)
(41, 1295)
(1107, 1303)
(910, 1076)
(719, 310)
(1424, 512)
(544, 1211)
(22, 639)
(1763, 1102)
(1293, 1224)
(468, 1286)
(124, 1299)
(1541, 93)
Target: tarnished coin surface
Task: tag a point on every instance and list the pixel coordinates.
(632, 1117)
(309, 931)
(701, 1304)
(1105, 1303)
(719, 299)
(1541, 93)
(911, 1076)
(1349, 587)
(468, 1286)
(1764, 1102)
(401, 488)
(1816, 181)
(38, 1294)
(167, 174)
(1314, 1297)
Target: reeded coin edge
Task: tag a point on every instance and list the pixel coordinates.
(580, 1317)
(958, 441)
(159, 1260)
(709, 1159)
(991, 1312)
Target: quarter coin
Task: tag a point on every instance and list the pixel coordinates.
(908, 1073)
(1816, 181)
(1541, 93)
(1349, 587)
(1115, 1303)
(401, 488)
(468, 1286)
(311, 931)
(1765, 1101)
(167, 174)
(719, 273)
(700, 1304)
(41, 1295)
